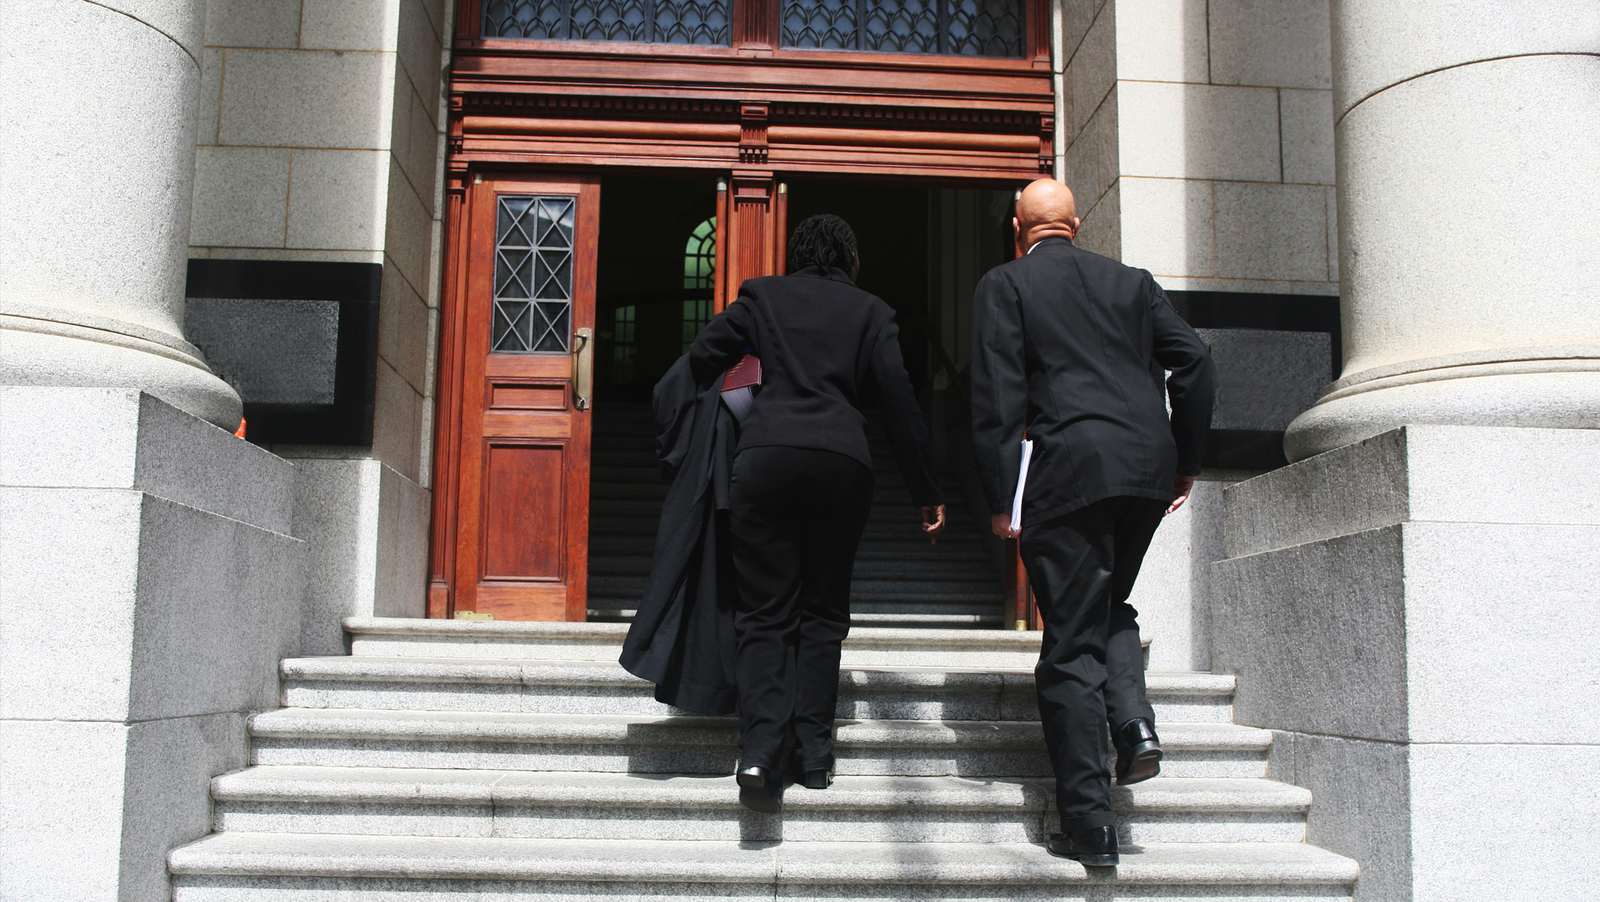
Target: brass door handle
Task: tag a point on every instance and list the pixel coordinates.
(583, 369)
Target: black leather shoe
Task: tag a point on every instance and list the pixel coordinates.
(760, 789)
(821, 778)
(1138, 751)
(810, 778)
(1095, 847)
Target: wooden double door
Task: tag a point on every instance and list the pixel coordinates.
(511, 501)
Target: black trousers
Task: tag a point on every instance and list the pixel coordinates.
(796, 516)
(1091, 669)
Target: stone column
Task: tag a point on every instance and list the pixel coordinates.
(97, 147)
(1469, 192)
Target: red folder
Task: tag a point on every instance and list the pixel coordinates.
(744, 373)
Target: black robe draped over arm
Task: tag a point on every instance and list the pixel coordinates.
(682, 636)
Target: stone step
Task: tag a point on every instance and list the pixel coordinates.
(611, 475)
(638, 496)
(925, 619)
(267, 867)
(502, 639)
(913, 616)
(972, 568)
(603, 457)
(872, 587)
(626, 490)
(911, 547)
(603, 526)
(566, 687)
(633, 500)
(345, 737)
(948, 547)
(419, 802)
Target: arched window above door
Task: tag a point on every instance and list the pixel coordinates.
(700, 255)
(699, 274)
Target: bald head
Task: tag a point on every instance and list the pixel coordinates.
(1046, 209)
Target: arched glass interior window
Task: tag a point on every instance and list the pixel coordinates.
(699, 271)
(625, 348)
(636, 21)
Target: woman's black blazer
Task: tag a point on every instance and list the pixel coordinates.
(825, 346)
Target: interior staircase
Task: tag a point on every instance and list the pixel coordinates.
(499, 761)
(900, 580)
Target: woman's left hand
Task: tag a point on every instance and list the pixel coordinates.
(933, 523)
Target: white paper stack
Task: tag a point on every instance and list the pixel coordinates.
(1022, 481)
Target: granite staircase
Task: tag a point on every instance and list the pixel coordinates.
(498, 761)
(900, 580)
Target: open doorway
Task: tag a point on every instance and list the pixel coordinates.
(923, 249)
(656, 267)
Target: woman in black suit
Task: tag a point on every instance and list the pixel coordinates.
(802, 489)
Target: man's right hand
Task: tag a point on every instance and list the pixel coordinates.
(933, 520)
(1001, 524)
(1182, 487)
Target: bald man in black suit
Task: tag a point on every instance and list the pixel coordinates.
(1072, 348)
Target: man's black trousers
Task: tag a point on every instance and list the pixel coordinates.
(796, 516)
(1091, 669)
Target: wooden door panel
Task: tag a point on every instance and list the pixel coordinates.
(505, 394)
(521, 602)
(523, 514)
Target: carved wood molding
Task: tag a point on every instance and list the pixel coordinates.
(815, 137)
(599, 106)
(752, 135)
(456, 133)
(843, 112)
(755, 26)
(1024, 121)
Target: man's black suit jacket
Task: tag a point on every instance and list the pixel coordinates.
(1071, 347)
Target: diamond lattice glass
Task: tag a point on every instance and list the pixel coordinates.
(533, 274)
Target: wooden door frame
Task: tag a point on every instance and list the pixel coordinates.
(752, 112)
(458, 343)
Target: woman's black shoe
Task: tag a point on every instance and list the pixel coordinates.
(812, 778)
(1138, 751)
(760, 790)
(1095, 847)
(820, 778)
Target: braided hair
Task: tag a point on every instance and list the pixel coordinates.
(822, 240)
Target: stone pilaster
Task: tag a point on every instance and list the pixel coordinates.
(97, 150)
(1414, 616)
(1468, 189)
(1408, 604)
(148, 588)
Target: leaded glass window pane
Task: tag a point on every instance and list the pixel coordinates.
(624, 351)
(700, 255)
(985, 27)
(638, 21)
(955, 27)
(533, 273)
(699, 274)
(825, 24)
